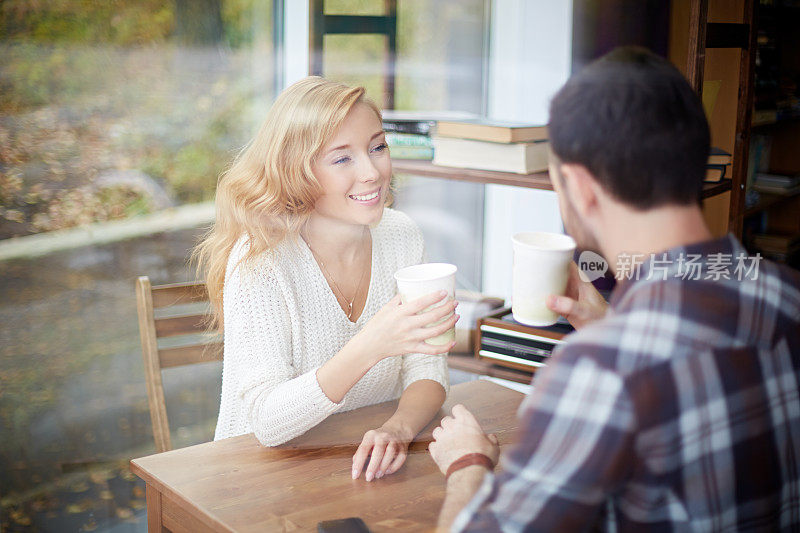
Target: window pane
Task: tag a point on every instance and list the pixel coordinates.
(440, 50)
(440, 67)
(107, 110)
(440, 55)
(113, 109)
(356, 60)
(450, 215)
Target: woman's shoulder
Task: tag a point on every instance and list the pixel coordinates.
(400, 237)
(395, 223)
(270, 262)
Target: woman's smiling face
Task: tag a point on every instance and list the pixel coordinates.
(354, 170)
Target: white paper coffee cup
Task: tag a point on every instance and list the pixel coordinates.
(421, 280)
(541, 267)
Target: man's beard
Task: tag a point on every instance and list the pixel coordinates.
(578, 230)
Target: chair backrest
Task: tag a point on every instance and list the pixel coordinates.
(201, 348)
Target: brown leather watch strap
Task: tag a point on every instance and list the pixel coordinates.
(469, 460)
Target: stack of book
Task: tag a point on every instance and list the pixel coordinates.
(718, 162)
(491, 145)
(409, 145)
(777, 184)
(408, 133)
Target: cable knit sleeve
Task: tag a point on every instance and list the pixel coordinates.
(417, 366)
(277, 403)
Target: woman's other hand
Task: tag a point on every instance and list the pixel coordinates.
(386, 448)
(581, 303)
(399, 329)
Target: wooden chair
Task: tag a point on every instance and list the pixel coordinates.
(201, 348)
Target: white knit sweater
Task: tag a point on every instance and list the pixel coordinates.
(282, 322)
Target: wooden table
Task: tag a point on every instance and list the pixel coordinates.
(238, 485)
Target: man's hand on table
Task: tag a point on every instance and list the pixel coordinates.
(386, 448)
(459, 435)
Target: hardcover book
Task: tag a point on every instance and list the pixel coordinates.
(519, 158)
(718, 156)
(424, 153)
(714, 173)
(418, 122)
(491, 130)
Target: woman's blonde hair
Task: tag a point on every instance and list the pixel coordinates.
(269, 191)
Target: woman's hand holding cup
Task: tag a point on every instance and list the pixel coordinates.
(399, 329)
(417, 280)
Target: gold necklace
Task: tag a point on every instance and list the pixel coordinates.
(336, 285)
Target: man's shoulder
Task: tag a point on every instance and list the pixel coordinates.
(637, 337)
(786, 281)
(659, 320)
(721, 308)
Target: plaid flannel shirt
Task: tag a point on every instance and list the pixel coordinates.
(678, 411)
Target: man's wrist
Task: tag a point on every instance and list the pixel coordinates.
(472, 474)
(469, 460)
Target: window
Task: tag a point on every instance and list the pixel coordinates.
(107, 110)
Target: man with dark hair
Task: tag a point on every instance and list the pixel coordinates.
(679, 407)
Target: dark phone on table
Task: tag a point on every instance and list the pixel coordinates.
(343, 525)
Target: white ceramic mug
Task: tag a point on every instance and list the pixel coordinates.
(541, 267)
(416, 281)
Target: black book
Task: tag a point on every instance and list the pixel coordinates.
(416, 127)
(417, 122)
(529, 349)
(714, 173)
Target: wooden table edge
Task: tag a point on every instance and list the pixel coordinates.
(165, 490)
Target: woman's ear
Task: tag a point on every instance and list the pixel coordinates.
(581, 187)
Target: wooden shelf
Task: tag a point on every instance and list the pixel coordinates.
(713, 189)
(767, 200)
(537, 180)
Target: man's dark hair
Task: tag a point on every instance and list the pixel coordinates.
(634, 122)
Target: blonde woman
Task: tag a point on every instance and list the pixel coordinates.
(299, 268)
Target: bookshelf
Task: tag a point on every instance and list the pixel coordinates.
(775, 129)
(537, 180)
(712, 42)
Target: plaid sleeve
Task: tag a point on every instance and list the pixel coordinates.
(575, 445)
